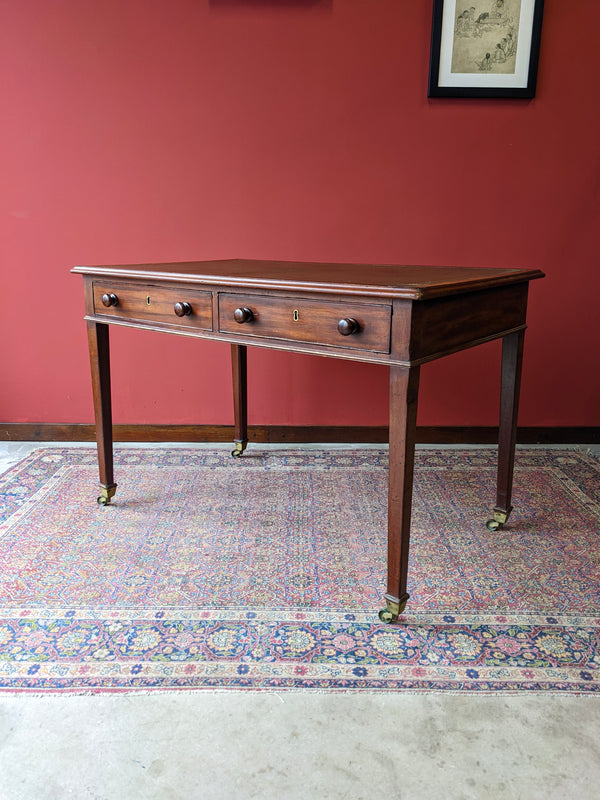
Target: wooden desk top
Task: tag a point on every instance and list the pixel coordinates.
(377, 280)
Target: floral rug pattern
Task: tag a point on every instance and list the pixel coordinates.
(267, 572)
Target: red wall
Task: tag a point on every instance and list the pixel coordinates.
(146, 130)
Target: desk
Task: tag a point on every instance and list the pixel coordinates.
(400, 316)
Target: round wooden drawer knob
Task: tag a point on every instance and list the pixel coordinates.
(348, 326)
(182, 309)
(109, 300)
(243, 315)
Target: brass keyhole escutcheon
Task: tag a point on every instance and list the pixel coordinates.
(296, 315)
(148, 300)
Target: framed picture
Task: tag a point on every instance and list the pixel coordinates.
(485, 48)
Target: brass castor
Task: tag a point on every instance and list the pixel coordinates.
(393, 609)
(107, 492)
(239, 449)
(497, 522)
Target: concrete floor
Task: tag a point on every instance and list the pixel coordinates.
(220, 745)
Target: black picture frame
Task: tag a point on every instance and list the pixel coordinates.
(504, 34)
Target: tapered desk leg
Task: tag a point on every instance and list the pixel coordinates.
(404, 392)
(240, 398)
(98, 343)
(512, 360)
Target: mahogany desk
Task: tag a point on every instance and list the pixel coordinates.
(400, 316)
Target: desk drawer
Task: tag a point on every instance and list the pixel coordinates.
(183, 307)
(356, 326)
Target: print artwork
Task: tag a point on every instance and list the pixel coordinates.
(485, 36)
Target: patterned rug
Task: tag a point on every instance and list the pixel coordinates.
(267, 572)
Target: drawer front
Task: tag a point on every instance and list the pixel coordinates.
(154, 304)
(356, 326)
